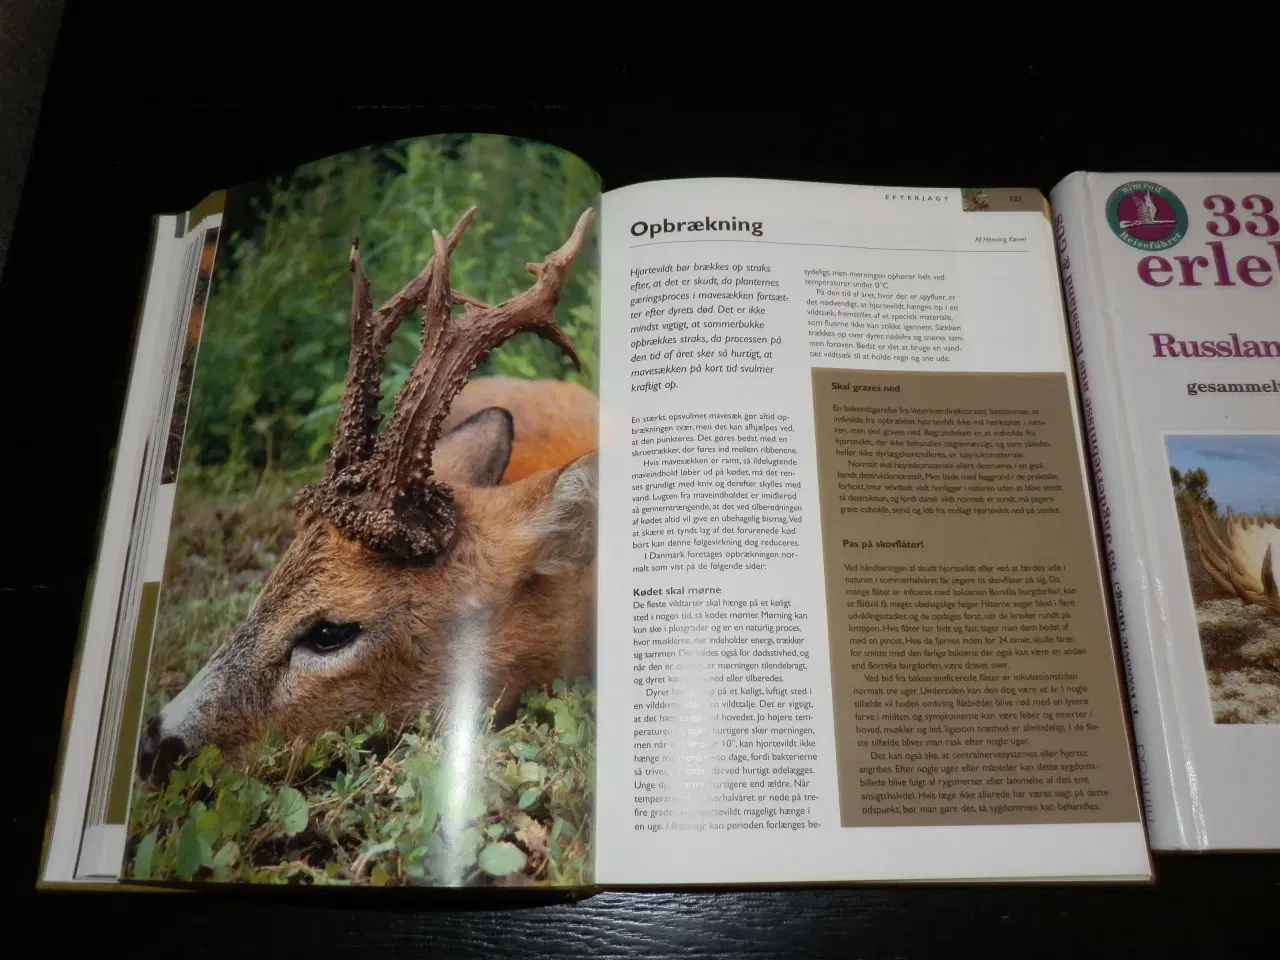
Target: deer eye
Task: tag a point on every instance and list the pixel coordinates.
(326, 637)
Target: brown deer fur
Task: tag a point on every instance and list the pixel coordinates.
(481, 626)
(557, 421)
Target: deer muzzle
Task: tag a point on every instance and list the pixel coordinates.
(158, 752)
(177, 731)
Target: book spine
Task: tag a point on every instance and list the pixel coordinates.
(1168, 798)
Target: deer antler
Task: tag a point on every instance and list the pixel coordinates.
(378, 489)
(1242, 565)
(357, 427)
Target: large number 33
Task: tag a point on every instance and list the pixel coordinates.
(1260, 224)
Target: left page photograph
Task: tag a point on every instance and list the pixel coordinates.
(373, 642)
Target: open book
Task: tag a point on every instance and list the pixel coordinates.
(768, 557)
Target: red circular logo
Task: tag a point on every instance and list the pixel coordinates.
(1147, 217)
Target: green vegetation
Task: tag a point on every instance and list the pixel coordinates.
(1191, 496)
(274, 350)
(1191, 489)
(368, 806)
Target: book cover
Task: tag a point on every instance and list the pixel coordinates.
(1173, 298)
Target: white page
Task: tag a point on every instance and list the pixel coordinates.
(1000, 290)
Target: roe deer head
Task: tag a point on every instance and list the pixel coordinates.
(415, 579)
(1243, 564)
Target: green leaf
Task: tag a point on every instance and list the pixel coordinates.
(420, 765)
(414, 868)
(374, 849)
(332, 393)
(293, 811)
(378, 876)
(531, 772)
(224, 860)
(501, 859)
(206, 848)
(430, 803)
(529, 797)
(257, 792)
(229, 813)
(566, 723)
(467, 843)
(496, 830)
(447, 786)
(189, 852)
(227, 855)
(473, 808)
(177, 782)
(142, 859)
(558, 687)
(208, 826)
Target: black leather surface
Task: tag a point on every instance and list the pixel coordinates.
(29, 30)
(1201, 909)
(147, 113)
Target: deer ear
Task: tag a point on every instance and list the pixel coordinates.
(476, 451)
(565, 522)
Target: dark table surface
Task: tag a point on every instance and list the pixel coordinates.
(148, 112)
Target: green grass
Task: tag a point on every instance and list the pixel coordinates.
(369, 806)
(366, 805)
(273, 354)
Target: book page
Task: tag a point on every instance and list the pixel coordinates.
(852, 616)
(368, 631)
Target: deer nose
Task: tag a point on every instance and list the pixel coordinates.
(158, 753)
